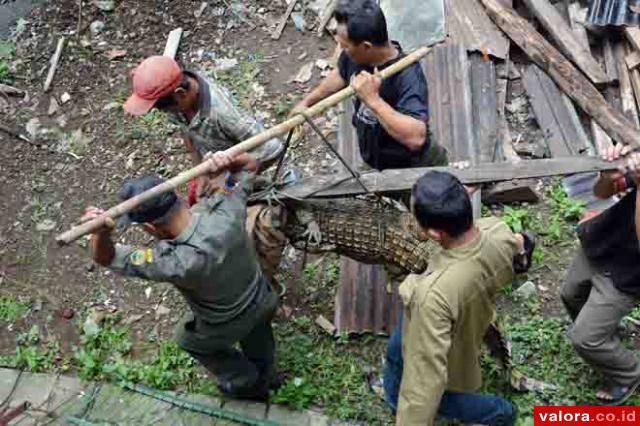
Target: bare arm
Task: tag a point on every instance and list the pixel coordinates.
(195, 155)
(331, 84)
(102, 248)
(606, 187)
(409, 131)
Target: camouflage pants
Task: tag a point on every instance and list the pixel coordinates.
(264, 224)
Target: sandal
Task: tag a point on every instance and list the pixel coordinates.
(523, 260)
(619, 395)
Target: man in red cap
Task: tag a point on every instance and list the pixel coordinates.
(209, 118)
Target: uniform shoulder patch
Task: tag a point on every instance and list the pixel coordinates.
(139, 257)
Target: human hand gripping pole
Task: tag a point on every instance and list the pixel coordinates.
(247, 145)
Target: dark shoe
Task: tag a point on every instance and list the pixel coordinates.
(522, 261)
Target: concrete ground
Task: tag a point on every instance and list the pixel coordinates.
(62, 400)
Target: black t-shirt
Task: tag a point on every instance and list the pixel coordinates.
(407, 93)
(610, 242)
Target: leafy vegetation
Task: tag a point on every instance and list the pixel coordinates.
(11, 308)
(7, 52)
(324, 372)
(241, 78)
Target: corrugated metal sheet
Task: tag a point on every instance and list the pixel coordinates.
(467, 24)
(613, 12)
(364, 301)
(450, 116)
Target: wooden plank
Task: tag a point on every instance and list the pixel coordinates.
(610, 62)
(468, 25)
(520, 191)
(543, 112)
(555, 114)
(173, 43)
(54, 64)
(633, 35)
(577, 16)
(484, 107)
(11, 91)
(601, 139)
(506, 152)
(566, 40)
(283, 21)
(566, 76)
(327, 14)
(390, 181)
(633, 60)
(627, 97)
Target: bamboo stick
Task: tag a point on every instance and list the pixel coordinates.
(247, 145)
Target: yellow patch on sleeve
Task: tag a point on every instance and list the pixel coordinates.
(148, 255)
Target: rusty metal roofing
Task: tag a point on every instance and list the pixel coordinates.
(613, 12)
(467, 24)
(364, 301)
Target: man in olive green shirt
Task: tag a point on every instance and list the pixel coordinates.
(206, 254)
(448, 309)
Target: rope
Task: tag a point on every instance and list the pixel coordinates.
(324, 139)
(198, 408)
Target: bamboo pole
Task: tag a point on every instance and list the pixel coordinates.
(247, 145)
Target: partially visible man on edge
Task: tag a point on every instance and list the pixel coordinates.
(208, 116)
(448, 309)
(390, 116)
(602, 285)
(206, 254)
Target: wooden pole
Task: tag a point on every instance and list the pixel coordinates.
(283, 22)
(247, 145)
(567, 77)
(54, 64)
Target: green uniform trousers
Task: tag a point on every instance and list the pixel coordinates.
(240, 373)
(597, 307)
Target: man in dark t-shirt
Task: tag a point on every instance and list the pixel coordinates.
(603, 282)
(390, 116)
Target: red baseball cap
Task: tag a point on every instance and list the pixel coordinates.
(155, 78)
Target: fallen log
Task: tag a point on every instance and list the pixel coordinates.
(253, 142)
(393, 181)
(567, 77)
(566, 39)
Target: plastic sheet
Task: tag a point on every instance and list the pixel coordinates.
(414, 23)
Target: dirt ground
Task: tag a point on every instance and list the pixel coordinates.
(53, 183)
(87, 147)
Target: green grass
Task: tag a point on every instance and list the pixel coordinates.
(327, 373)
(7, 52)
(12, 309)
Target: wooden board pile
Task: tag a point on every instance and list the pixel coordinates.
(583, 86)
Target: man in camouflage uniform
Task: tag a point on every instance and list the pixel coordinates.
(206, 254)
(207, 114)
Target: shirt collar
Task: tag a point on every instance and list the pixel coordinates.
(189, 230)
(204, 93)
